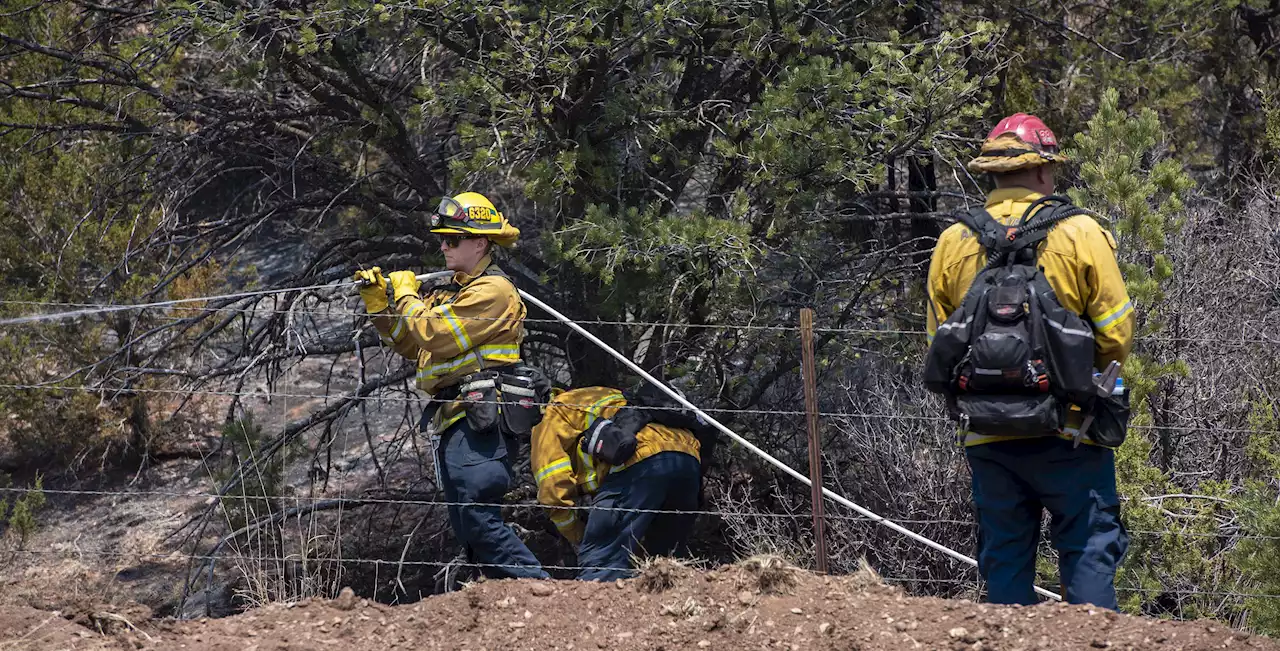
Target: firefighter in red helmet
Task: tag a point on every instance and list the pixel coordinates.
(1054, 467)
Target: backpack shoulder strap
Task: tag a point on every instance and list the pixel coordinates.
(997, 239)
(1000, 240)
(1034, 226)
(990, 233)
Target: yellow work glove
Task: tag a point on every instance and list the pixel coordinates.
(373, 289)
(404, 283)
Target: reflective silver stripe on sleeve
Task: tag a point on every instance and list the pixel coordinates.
(595, 433)
(1069, 331)
(950, 326)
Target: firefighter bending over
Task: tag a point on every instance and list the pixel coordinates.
(592, 450)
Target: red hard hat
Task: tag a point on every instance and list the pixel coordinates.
(1030, 129)
(1020, 141)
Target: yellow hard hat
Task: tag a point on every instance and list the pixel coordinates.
(470, 213)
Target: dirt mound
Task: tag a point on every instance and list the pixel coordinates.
(28, 628)
(759, 604)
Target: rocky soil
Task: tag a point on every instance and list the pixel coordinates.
(758, 604)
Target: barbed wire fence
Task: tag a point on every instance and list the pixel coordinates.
(300, 502)
(390, 389)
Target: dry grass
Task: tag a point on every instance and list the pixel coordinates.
(866, 576)
(661, 573)
(68, 573)
(686, 610)
(278, 567)
(769, 574)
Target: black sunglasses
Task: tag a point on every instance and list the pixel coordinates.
(452, 241)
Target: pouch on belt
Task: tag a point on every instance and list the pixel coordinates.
(479, 394)
(523, 392)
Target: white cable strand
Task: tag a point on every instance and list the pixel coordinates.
(422, 502)
(93, 308)
(402, 501)
(831, 495)
(104, 309)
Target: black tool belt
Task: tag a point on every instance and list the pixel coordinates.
(509, 399)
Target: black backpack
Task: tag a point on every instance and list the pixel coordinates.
(646, 404)
(1011, 359)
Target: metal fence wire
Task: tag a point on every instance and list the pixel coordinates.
(319, 301)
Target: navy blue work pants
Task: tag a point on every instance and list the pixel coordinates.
(1012, 482)
(668, 481)
(476, 467)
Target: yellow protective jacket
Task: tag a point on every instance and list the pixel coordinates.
(475, 322)
(565, 474)
(1078, 259)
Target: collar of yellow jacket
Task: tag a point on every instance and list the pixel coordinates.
(1010, 196)
(465, 279)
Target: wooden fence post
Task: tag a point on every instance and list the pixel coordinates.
(815, 441)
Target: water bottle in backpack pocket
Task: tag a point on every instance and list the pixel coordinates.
(1111, 417)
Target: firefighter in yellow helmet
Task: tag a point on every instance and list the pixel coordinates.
(465, 337)
(605, 461)
(1025, 460)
